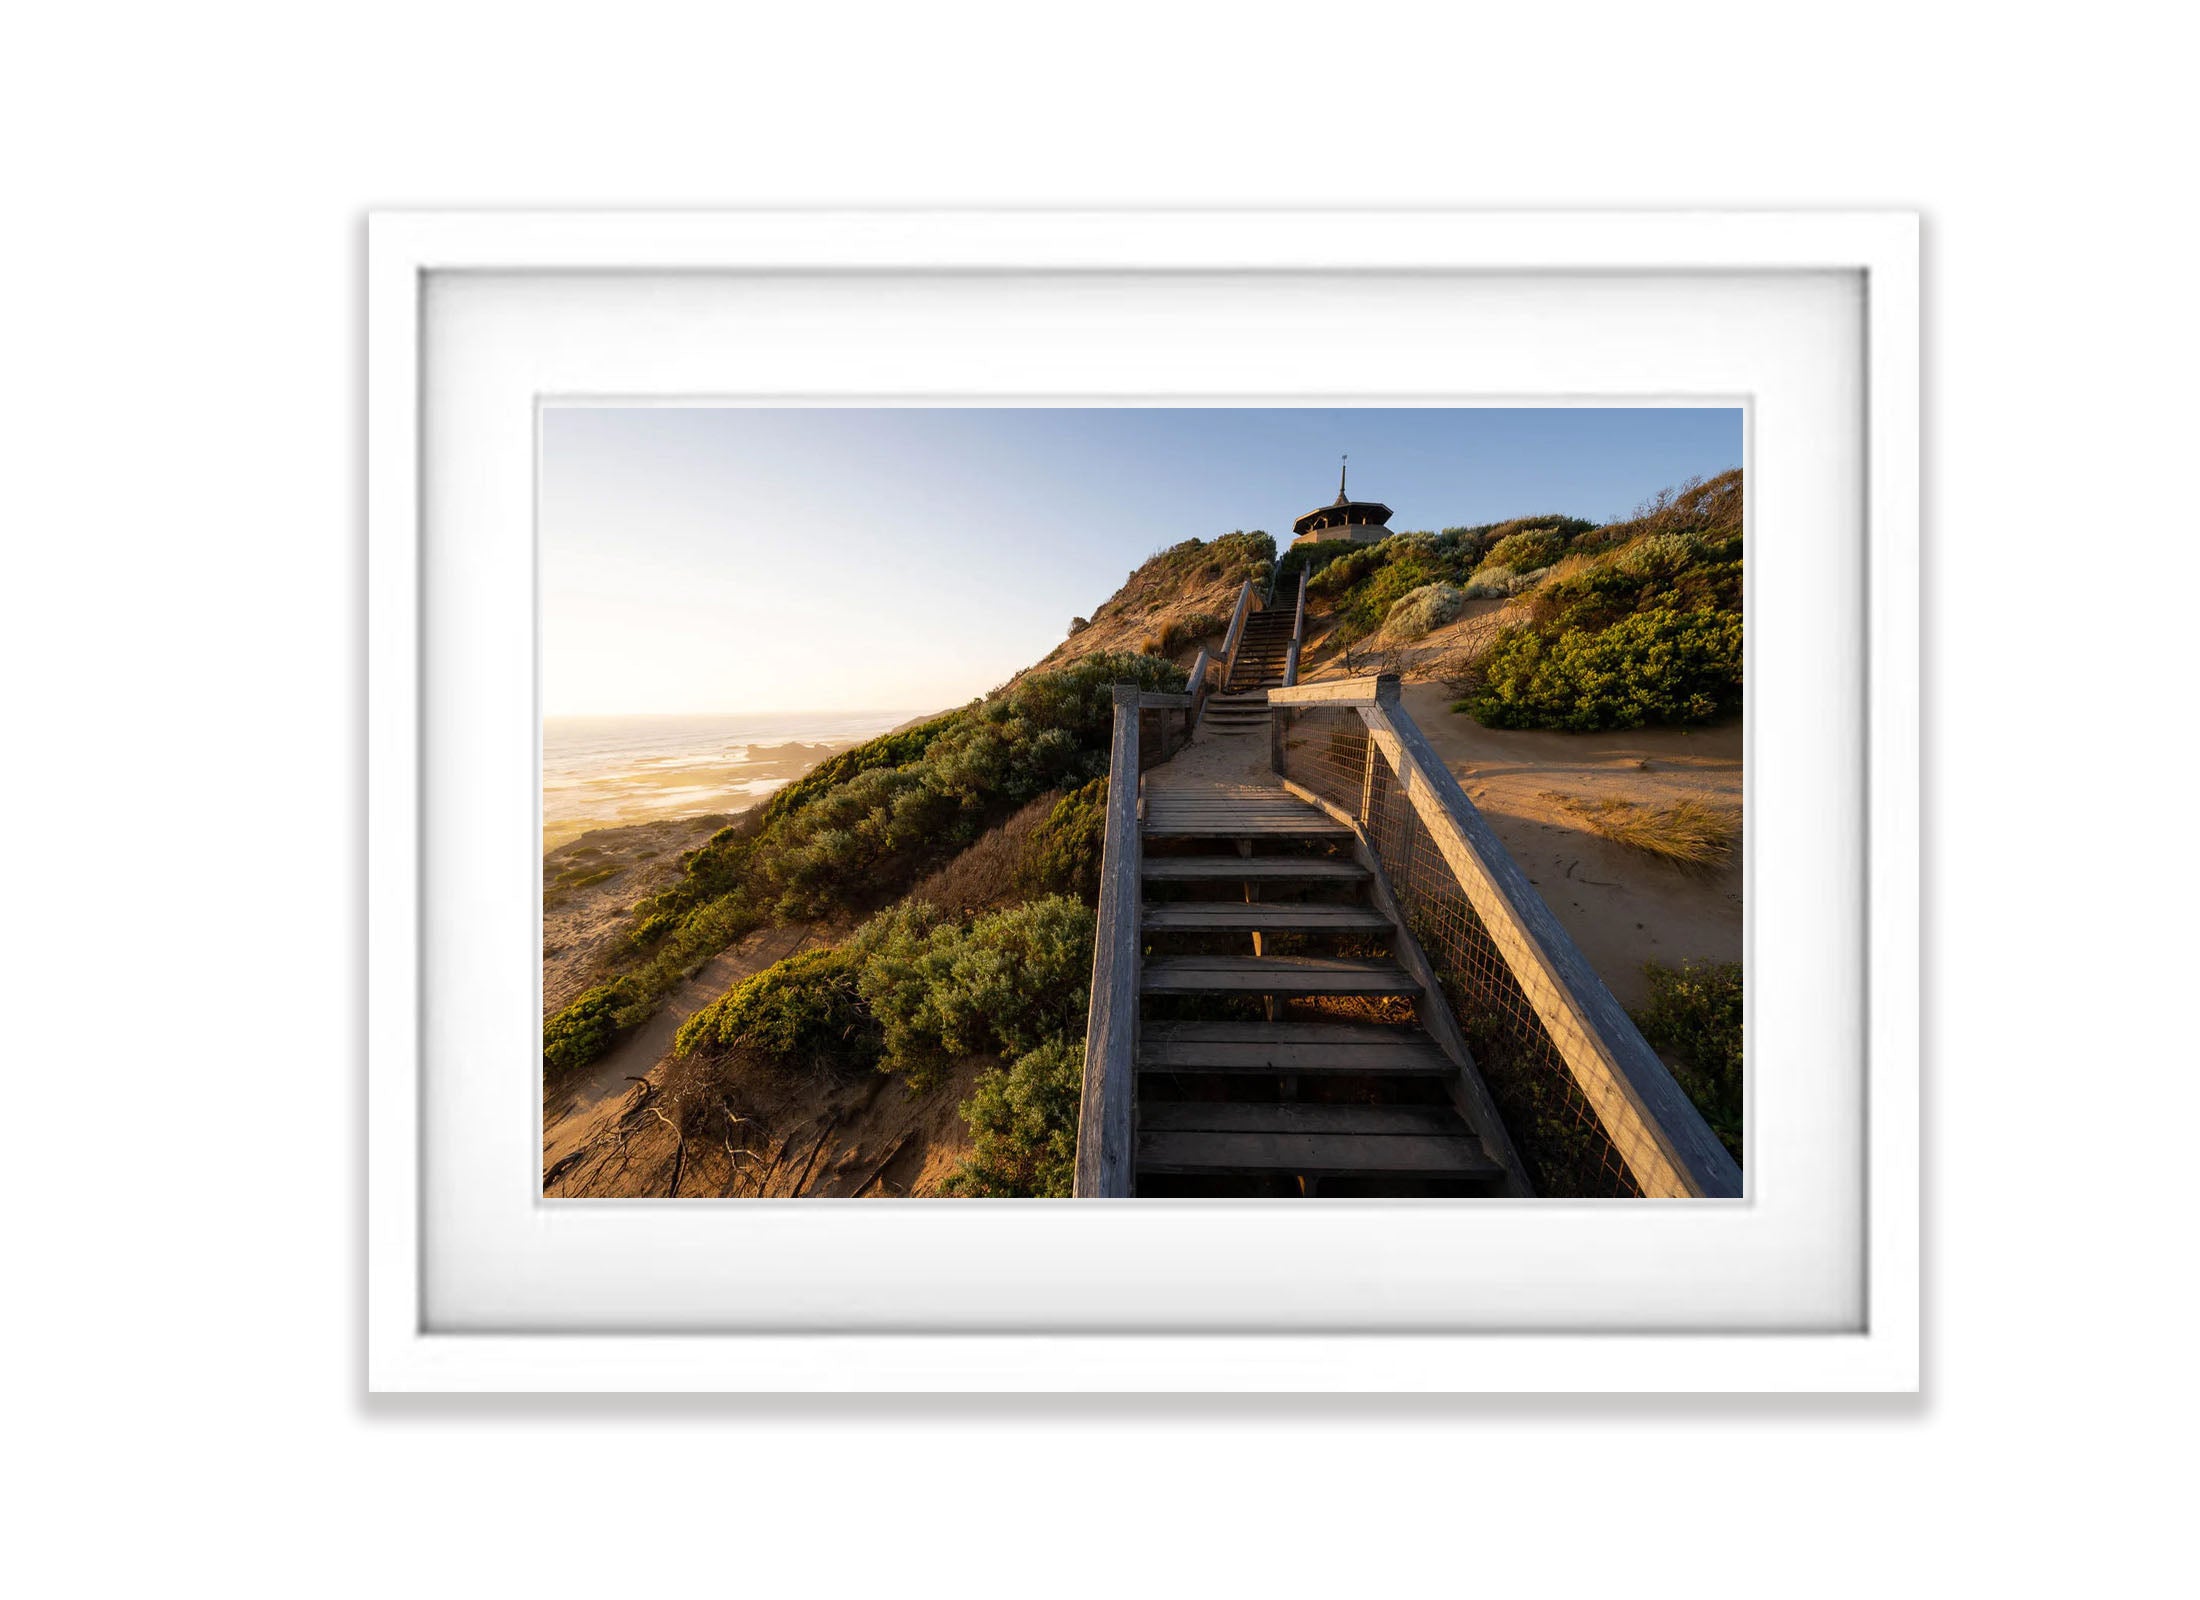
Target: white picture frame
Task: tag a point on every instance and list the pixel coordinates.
(408, 1349)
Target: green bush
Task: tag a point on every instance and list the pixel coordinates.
(1008, 983)
(1430, 606)
(1178, 632)
(585, 1029)
(1656, 666)
(1023, 1124)
(806, 1009)
(1528, 551)
(898, 808)
(1694, 1016)
(896, 749)
(1491, 582)
(1064, 852)
(1314, 558)
(1351, 564)
(1362, 586)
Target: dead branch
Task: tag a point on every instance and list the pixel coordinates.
(831, 1123)
(885, 1161)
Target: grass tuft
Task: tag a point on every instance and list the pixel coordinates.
(1688, 833)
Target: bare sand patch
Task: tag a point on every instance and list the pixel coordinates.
(1622, 906)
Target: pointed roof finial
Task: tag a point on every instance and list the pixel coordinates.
(1341, 460)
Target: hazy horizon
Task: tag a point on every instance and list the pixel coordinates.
(716, 560)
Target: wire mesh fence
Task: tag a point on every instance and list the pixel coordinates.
(1558, 1134)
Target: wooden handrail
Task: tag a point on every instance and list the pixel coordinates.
(1298, 635)
(1336, 693)
(1231, 639)
(1104, 1118)
(1196, 686)
(1650, 1121)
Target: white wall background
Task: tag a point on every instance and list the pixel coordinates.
(180, 500)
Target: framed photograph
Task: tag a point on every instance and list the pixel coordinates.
(1055, 801)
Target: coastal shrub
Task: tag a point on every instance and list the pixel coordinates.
(804, 1010)
(1530, 550)
(585, 1029)
(1023, 1126)
(897, 808)
(1362, 586)
(1660, 555)
(1418, 610)
(1007, 983)
(1497, 583)
(1312, 558)
(1178, 632)
(991, 873)
(1656, 666)
(1062, 855)
(1347, 567)
(895, 749)
(1636, 622)
(1694, 1017)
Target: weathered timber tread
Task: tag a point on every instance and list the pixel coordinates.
(1314, 1154)
(1236, 1116)
(1273, 975)
(1186, 827)
(1311, 1060)
(1397, 1033)
(1259, 916)
(1227, 813)
(1209, 869)
(1392, 1049)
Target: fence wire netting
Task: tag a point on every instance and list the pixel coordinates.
(1558, 1134)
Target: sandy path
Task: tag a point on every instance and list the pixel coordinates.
(1621, 906)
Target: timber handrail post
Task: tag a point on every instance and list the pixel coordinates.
(1105, 1127)
(1651, 1122)
(1298, 635)
(1197, 685)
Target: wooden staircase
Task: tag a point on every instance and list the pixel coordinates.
(1253, 915)
(1262, 651)
(1236, 715)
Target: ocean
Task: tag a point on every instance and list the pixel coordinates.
(600, 772)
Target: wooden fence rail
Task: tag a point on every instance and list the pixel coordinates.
(1231, 639)
(1104, 1126)
(1651, 1123)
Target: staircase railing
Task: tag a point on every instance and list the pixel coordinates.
(1236, 635)
(1591, 1106)
(1196, 686)
(1105, 1110)
(1298, 635)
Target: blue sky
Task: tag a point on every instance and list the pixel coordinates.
(701, 559)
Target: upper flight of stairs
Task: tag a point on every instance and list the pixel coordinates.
(1262, 650)
(1249, 912)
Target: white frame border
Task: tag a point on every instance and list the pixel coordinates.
(403, 247)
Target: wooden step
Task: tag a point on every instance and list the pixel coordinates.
(1274, 975)
(1240, 1116)
(1265, 869)
(1317, 1048)
(1185, 824)
(1225, 916)
(1401, 1154)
